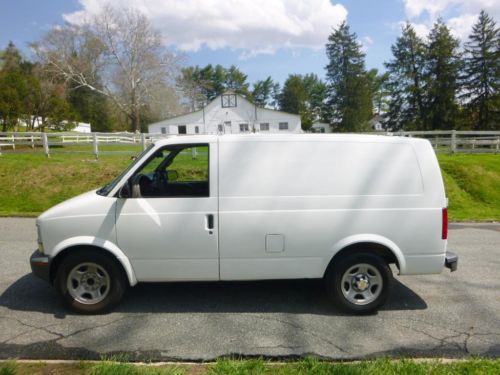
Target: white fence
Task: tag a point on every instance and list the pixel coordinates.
(442, 141)
(59, 142)
(454, 141)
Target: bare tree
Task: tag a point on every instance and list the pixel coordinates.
(117, 54)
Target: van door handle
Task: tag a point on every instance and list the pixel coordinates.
(210, 223)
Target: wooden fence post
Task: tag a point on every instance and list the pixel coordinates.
(95, 146)
(32, 142)
(143, 141)
(45, 143)
(453, 141)
(13, 142)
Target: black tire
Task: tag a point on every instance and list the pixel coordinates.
(111, 294)
(335, 287)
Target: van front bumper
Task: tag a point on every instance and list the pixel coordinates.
(40, 265)
(451, 261)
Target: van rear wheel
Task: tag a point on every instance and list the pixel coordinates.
(89, 282)
(359, 283)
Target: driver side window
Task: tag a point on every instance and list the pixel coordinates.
(174, 171)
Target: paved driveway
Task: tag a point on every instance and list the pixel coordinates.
(452, 315)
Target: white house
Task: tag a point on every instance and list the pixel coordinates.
(320, 127)
(229, 113)
(80, 127)
(376, 123)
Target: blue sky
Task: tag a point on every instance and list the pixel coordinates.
(261, 37)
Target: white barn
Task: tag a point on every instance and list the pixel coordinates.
(232, 114)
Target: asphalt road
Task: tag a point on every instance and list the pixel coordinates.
(450, 315)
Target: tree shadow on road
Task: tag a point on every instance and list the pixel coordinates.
(286, 296)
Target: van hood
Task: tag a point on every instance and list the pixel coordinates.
(89, 203)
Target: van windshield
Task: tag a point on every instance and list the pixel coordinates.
(106, 189)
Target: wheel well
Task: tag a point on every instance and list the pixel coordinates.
(54, 264)
(366, 247)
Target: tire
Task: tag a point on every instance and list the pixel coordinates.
(359, 283)
(90, 282)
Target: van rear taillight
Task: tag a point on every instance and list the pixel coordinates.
(444, 233)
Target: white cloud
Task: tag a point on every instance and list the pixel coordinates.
(254, 26)
(366, 42)
(459, 15)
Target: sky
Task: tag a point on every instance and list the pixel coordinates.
(262, 37)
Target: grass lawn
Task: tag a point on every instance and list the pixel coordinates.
(472, 185)
(257, 367)
(31, 183)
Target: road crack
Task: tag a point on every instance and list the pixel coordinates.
(307, 331)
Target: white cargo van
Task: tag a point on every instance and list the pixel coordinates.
(253, 207)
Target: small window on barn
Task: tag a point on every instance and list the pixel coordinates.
(197, 130)
(182, 129)
(283, 125)
(228, 100)
(244, 128)
(264, 126)
(163, 130)
(220, 127)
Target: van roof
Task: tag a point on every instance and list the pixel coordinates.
(287, 138)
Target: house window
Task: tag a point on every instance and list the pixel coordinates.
(283, 125)
(243, 128)
(264, 126)
(182, 129)
(228, 100)
(163, 130)
(197, 130)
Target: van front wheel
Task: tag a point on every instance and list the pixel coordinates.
(359, 283)
(89, 282)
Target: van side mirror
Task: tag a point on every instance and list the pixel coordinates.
(125, 191)
(172, 175)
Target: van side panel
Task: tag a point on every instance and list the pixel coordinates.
(314, 193)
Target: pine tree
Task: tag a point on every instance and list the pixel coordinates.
(405, 82)
(262, 92)
(349, 104)
(14, 87)
(200, 85)
(293, 95)
(92, 108)
(481, 74)
(442, 74)
(304, 95)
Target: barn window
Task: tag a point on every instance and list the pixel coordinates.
(163, 130)
(264, 126)
(197, 130)
(182, 129)
(243, 128)
(228, 100)
(283, 125)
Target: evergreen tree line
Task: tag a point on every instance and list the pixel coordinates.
(429, 84)
(435, 85)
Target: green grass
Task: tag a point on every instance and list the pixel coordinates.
(305, 366)
(472, 186)
(31, 183)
